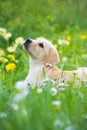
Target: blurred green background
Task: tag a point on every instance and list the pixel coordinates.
(42, 17)
(52, 19)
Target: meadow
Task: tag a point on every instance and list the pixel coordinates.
(52, 106)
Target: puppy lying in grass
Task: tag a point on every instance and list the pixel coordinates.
(43, 58)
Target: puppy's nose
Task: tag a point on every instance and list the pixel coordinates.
(27, 42)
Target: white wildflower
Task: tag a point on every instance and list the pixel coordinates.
(2, 31)
(11, 48)
(53, 91)
(56, 103)
(2, 52)
(57, 123)
(61, 89)
(53, 81)
(39, 90)
(63, 42)
(64, 59)
(3, 60)
(7, 36)
(3, 115)
(61, 85)
(19, 40)
(49, 80)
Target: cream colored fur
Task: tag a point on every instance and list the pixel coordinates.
(43, 61)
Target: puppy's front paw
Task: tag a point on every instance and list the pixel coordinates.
(23, 90)
(21, 85)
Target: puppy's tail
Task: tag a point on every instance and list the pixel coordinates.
(82, 73)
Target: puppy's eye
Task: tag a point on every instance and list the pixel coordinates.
(41, 45)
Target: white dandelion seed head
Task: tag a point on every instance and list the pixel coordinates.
(39, 90)
(48, 80)
(61, 85)
(56, 103)
(57, 123)
(53, 91)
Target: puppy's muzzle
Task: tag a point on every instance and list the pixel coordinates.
(26, 43)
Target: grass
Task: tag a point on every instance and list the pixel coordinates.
(38, 110)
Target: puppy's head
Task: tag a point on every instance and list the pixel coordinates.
(41, 50)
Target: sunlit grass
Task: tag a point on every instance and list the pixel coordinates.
(52, 106)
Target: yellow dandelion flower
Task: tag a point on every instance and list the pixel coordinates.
(83, 37)
(68, 38)
(57, 108)
(10, 56)
(57, 105)
(10, 66)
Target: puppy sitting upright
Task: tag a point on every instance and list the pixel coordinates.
(43, 58)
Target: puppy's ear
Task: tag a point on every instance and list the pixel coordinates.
(53, 57)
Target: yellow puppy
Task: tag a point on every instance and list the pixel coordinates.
(43, 58)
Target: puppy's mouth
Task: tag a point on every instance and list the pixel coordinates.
(26, 48)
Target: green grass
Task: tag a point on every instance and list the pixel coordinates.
(49, 19)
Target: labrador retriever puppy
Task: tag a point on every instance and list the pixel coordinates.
(43, 58)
